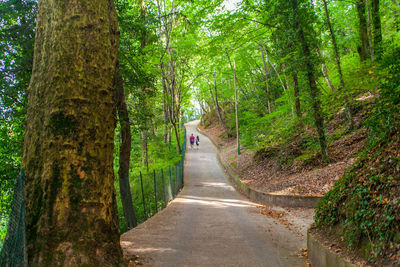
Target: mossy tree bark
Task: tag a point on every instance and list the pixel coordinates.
(68, 151)
(310, 70)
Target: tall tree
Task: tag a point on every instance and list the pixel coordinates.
(296, 95)
(216, 103)
(69, 142)
(338, 63)
(376, 20)
(310, 70)
(266, 78)
(124, 151)
(334, 43)
(363, 49)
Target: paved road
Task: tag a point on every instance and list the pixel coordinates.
(210, 224)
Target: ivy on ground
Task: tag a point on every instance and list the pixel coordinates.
(363, 208)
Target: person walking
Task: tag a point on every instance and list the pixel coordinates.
(191, 139)
(197, 141)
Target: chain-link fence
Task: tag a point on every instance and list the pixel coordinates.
(13, 253)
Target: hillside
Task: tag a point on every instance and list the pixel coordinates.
(359, 213)
(290, 168)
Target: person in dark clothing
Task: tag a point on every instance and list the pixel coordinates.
(197, 141)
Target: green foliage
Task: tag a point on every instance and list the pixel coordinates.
(16, 50)
(364, 201)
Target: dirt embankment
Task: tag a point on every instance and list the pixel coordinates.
(308, 176)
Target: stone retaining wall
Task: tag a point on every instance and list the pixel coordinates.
(321, 256)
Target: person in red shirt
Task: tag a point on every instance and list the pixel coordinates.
(191, 139)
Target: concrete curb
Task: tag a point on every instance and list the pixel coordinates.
(321, 256)
(261, 197)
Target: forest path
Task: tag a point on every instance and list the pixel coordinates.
(210, 224)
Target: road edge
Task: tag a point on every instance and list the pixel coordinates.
(320, 255)
(262, 197)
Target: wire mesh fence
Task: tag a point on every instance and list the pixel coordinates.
(13, 252)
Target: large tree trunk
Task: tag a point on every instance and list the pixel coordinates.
(363, 31)
(316, 105)
(124, 152)
(376, 20)
(69, 142)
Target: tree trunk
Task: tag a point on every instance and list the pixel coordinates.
(145, 132)
(338, 64)
(143, 12)
(236, 109)
(325, 72)
(376, 20)
(145, 156)
(370, 41)
(272, 65)
(215, 100)
(236, 79)
(124, 152)
(266, 78)
(165, 110)
(364, 48)
(296, 95)
(335, 48)
(71, 209)
(319, 121)
(178, 143)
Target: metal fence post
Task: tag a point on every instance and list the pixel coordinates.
(172, 184)
(176, 178)
(164, 189)
(181, 173)
(155, 189)
(143, 200)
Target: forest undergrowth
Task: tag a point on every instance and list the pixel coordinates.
(294, 167)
